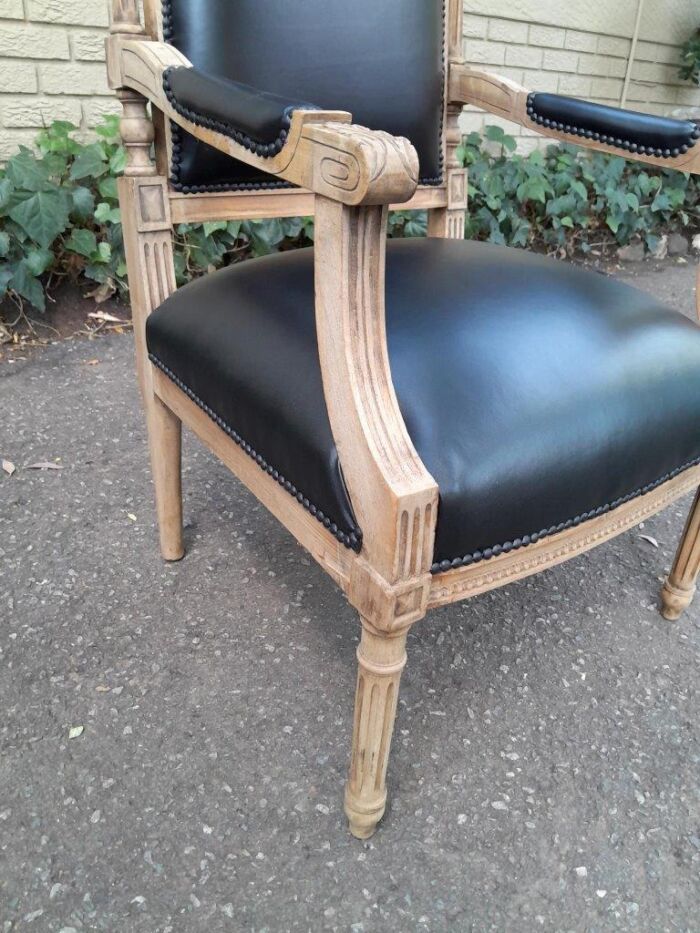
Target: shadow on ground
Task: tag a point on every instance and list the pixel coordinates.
(545, 768)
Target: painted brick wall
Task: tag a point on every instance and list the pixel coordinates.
(52, 56)
(51, 66)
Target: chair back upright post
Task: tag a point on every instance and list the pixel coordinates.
(448, 222)
(148, 245)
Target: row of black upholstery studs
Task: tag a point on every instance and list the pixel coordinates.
(264, 150)
(609, 140)
(167, 20)
(176, 138)
(517, 543)
(352, 540)
(260, 185)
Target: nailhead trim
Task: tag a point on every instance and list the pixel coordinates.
(352, 541)
(489, 552)
(626, 144)
(264, 150)
(262, 185)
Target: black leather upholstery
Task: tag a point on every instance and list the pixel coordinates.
(536, 393)
(255, 119)
(628, 129)
(382, 61)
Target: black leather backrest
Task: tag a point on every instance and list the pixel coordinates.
(383, 60)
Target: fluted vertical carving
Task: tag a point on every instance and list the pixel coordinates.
(384, 474)
(448, 222)
(678, 590)
(381, 661)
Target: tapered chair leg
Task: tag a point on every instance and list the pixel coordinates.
(678, 590)
(381, 659)
(165, 444)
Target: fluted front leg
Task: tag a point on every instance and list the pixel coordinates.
(381, 659)
(679, 589)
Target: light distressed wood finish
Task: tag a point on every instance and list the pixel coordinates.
(448, 221)
(348, 177)
(380, 660)
(508, 99)
(323, 152)
(678, 590)
(466, 582)
(147, 228)
(393, 495)
(310, 533)
(294, 202)
(148, 245)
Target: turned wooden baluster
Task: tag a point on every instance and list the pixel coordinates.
(145, 210)
(678, 590)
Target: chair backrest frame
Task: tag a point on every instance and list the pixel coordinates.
(440, 200)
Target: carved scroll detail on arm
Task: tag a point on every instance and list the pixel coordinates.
(323, 151)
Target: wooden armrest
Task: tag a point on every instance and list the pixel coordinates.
(606, 129)
(322, 151)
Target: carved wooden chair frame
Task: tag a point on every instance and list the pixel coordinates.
(348, 177)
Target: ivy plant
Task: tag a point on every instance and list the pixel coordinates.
(571, 200)
(59, 210)
(690, 59)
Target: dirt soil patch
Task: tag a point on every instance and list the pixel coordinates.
(69, 314)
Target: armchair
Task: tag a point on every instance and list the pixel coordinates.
(429, 419)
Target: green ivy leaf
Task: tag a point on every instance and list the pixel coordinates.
(107, 187)
(7, 270)
(28, 286)
(110, 127)
(43, 216)
(38, 261)
(117, 162)
(104, 252)
(83, 203)
(90, 162)
(494, 134)
(4, 243)
(83, 242)
(105, 214)
(6, 191)
(25, 171)
(214, 226)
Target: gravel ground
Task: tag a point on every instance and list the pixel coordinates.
(545, 770)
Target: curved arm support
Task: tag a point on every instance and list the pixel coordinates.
(393, 495)
(323, 151)
(511, 101)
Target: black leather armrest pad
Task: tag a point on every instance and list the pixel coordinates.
(254, 119)
(627, 129)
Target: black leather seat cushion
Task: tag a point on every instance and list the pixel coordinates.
(537, 394)
(382, 60)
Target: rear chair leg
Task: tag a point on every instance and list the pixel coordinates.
(381, 659)
(165, 442)
(679, 589)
